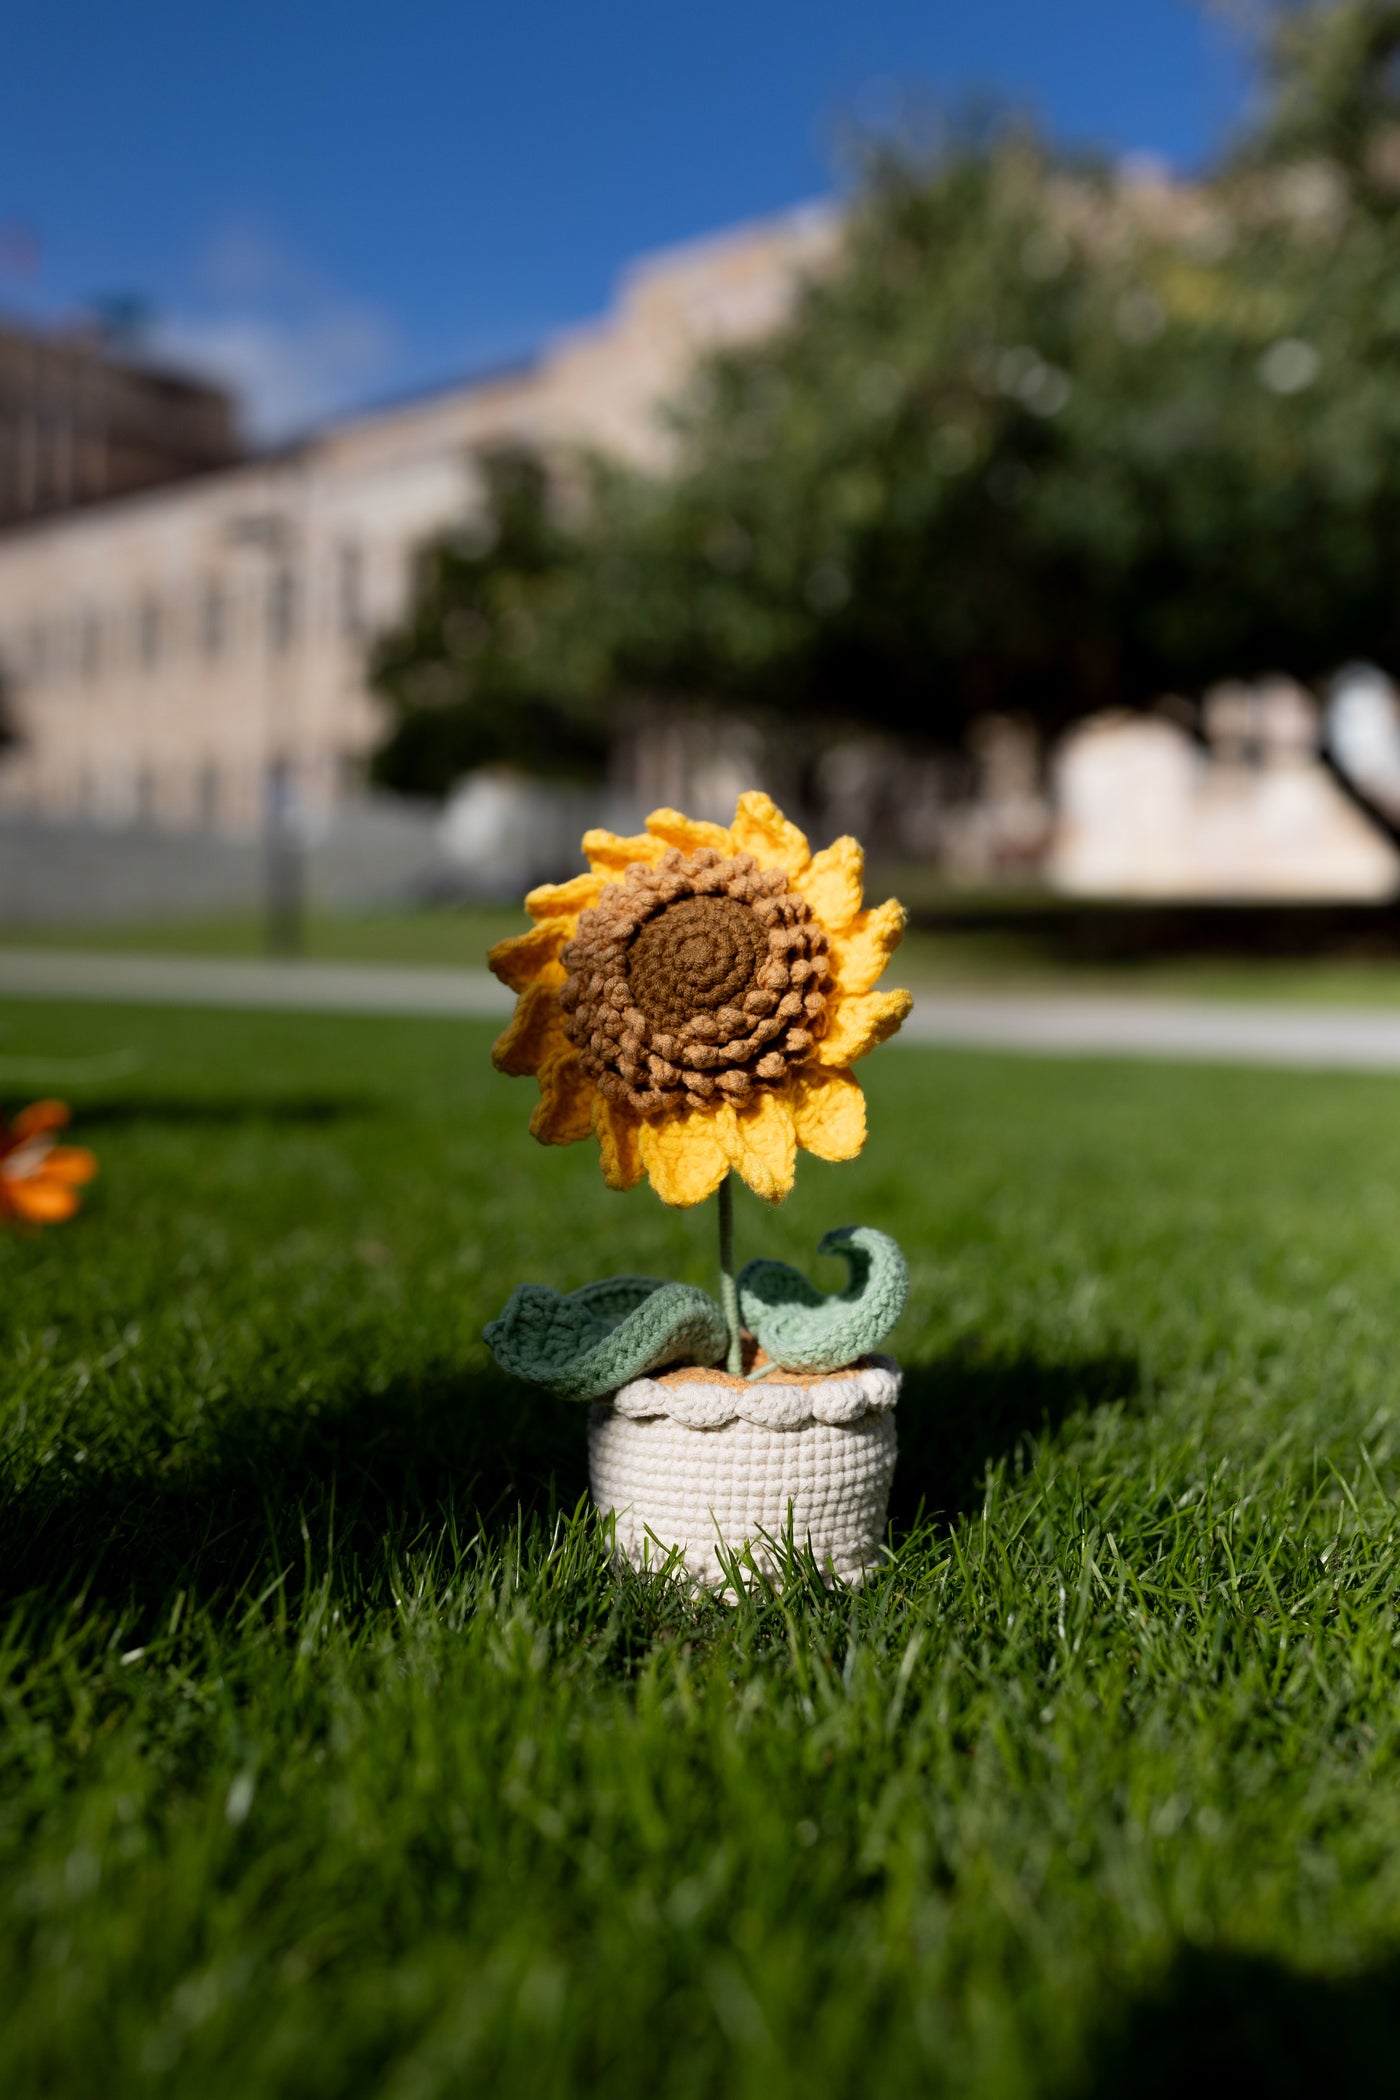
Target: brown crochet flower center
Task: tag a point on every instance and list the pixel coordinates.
(695, 956)
(695, 981)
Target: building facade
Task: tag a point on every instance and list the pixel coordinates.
(177, 656)
(80, 425)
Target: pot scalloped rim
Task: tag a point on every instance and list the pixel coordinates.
(717, 1462)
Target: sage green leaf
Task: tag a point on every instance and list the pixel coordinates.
(804, 1329)
(582, 1344)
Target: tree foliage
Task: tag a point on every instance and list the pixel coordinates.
(1042, 439)
(468, 673)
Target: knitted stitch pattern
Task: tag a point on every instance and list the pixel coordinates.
(808, 1330)
(697, 999)
(700, 1465)
(584, 1343)
(694, 981)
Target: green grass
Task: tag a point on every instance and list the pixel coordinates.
(335, 1761)
(458, 937)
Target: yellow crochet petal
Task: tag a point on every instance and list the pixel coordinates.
(762, 1145)
(535, 1030)
(834, 883)
(686, 1155)
(760, 828)
(859, 955)
(618, 1144)
(521, 958)
(688, 834)
(828, 1113)
(555, 899)
(564, 1111)
(859, 1023)
(610, 856)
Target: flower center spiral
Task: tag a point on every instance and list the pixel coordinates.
(695, 981)
(693, 957)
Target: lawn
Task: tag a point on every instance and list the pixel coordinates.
(337, 1762)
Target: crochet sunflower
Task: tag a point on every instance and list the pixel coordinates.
(696, 1001)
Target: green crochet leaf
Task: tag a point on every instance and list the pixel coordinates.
(582, 1344)
(804, 1329)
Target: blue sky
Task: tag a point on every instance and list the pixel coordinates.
(336, 202)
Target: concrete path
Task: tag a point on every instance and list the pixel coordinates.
(1058, 1024)
(1202, 1031)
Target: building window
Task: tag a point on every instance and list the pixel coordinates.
(281, 609)
(60, 652)
(210, 794)
(213, 621)
(148, 632)
(352, 590)
(89, 647)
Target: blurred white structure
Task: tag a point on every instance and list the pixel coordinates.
(1147, 810)
(165, 656)
(494, 825)
(502, 831)
(1003, 830)
(1363, 733)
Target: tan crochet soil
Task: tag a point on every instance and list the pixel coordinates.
(700, 1374)
(695, 980)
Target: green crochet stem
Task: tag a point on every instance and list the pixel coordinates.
(728, 1285)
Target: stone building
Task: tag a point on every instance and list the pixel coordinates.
(80, 425)
(176, 656)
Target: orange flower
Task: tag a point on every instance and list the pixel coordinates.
(39, 1180)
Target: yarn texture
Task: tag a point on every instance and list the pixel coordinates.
(805, 1329)
(695, 981)
(711, 1469)
(583, 1343)
(590, 1341)
(696, 1000)
(871, 1387)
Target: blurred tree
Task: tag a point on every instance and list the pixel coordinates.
(466, 674)
(1044, 439)
(1331, 70)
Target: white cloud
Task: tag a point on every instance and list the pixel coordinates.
(242, 261)
(288, 342)
(287, 374)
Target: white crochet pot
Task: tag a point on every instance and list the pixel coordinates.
(697, 1460)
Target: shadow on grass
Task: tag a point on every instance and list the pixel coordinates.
(319, 1110)
(274, 1493)
(961, 1415)
(1248, 2024)
(280, 1495)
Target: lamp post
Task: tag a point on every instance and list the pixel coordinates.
(272, 533)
